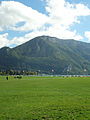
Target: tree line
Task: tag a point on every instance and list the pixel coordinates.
(17, 72)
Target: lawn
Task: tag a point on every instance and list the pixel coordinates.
(45, 98)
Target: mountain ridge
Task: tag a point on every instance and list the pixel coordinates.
(46, 53)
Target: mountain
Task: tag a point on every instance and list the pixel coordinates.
(48, 55)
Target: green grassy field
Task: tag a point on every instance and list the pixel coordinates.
(44, 98)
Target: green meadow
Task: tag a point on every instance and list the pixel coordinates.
(45, 98)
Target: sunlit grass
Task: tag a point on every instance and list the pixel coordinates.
(39, 98)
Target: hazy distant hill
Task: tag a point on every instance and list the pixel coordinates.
(49, 55)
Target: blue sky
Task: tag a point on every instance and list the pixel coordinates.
(22, 20)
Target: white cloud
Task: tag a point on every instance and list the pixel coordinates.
(87, 35)
(61, 16)
(12, 12)
(64, 13)
(4, 40)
